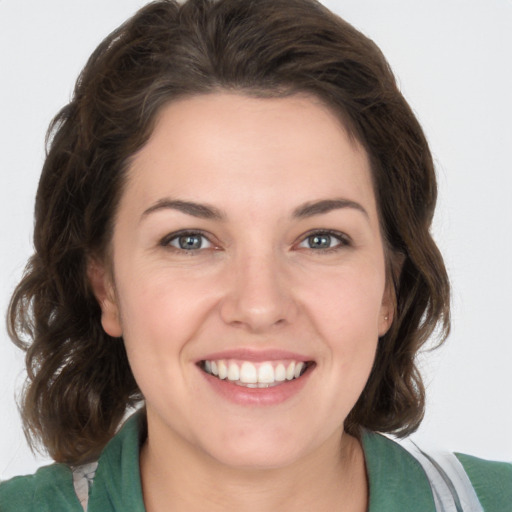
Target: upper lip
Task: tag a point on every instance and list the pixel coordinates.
(255, 355)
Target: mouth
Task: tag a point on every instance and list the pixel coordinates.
(249, 374)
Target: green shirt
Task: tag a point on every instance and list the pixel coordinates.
(397, 481)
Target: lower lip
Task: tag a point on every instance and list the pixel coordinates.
(242, 395)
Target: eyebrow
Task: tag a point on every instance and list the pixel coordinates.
(202, 211)
(325, 206)
(205, 211)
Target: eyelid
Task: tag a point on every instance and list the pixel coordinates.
(343, 239)
(167, 239)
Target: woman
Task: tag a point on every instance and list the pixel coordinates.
(233, 223)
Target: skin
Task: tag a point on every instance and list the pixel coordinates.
(256, 283)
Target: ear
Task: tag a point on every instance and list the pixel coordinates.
(102, 285)
(387, 309)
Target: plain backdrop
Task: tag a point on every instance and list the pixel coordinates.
(452, 59)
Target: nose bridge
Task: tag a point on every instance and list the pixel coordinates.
(258, 295)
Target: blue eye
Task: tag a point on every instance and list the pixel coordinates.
(187, 241)
(319, 241)
(323, 240)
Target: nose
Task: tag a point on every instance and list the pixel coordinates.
(259, 296)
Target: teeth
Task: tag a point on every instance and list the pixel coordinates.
(290, 371)
(252, 375)
(233, 372)
(223, 369)
(266, 373)
(248, 373)
(298, 369)
(280, 373)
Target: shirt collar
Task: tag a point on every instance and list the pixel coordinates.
(396, 479)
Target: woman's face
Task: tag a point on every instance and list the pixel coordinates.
(247, 244)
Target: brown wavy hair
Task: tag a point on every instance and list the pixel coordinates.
(79, 381)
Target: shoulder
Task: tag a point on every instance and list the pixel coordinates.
(397, 468)
(115, 486)
(492, 481)
(396, 479)
(50, 489)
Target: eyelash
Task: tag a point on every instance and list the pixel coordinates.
(343, 240)
(166, 241)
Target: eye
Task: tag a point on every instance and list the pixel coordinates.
(187, 241)
(324, 240)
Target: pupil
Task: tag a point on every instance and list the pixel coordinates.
(320, 241)
(190, 242)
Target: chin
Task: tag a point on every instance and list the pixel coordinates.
(257, 460)
(258, 450)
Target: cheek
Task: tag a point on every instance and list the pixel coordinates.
(348, 301)
(160, 316)
(346, 312)
(162, 309)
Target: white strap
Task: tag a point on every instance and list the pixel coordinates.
(450, 484)
(82, 481)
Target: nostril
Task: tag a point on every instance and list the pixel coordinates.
(256, 296)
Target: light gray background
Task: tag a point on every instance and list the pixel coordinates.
(453, 61)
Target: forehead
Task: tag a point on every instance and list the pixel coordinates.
(222, 146)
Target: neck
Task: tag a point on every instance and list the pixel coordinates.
(332, 478)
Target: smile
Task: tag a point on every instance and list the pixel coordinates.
(255, 375)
